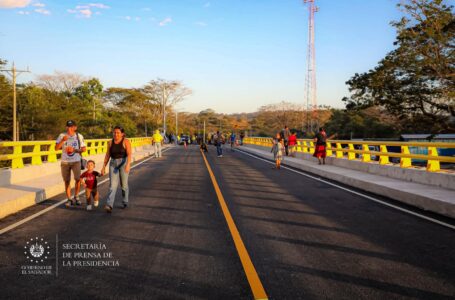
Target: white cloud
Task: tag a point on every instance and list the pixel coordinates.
(207, 4)
(86, 13)
(42, 11)
(87, 10)
(99, 5)
(14, 3)
(38, 4)
(137, 19)
(146, 9)
(21, 12)
(165, 21)
(202, 24)
(128, 18)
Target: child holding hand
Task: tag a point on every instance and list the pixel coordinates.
(90, 182)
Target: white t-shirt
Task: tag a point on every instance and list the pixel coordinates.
(71, 141)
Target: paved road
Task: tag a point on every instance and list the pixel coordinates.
(306, 239)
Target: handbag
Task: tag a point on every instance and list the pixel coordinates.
(83, 160)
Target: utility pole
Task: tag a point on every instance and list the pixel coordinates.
(311, 91)
(164, 109)
(13, 72)
(176, 122)
(204, 132)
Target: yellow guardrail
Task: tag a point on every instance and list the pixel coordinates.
(45, 150)
(349, 149)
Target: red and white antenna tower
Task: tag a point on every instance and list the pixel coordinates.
(311, 91)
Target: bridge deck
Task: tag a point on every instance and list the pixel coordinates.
(306, 239)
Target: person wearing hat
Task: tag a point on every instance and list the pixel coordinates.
(157, 140)
(72, 145)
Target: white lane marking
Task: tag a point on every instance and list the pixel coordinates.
(12, 226)
(359, 194)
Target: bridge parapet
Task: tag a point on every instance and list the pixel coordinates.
(404, 154)
(18, 154)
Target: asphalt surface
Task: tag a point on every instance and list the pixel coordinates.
(306, 239)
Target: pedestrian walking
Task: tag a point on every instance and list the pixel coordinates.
(292, 142)
(157, 140)
(285, 135)
(277, 150)
(73, 145)
(119, 158)
(218, 140)
(320, 148)
(242, 136)
(90, 182)
(232, 140)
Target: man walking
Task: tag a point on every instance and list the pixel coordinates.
(157, 140)
(218, 139)
(72, 145)
(286, 134)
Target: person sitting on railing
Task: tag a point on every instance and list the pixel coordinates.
(72, 145)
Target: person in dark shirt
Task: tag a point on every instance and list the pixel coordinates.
(90, 182)
(118, 156)
(320, 148)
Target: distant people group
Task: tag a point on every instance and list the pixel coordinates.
(285, 142)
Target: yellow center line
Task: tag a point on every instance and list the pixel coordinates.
(248, 267)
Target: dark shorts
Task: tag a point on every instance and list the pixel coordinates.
(67, 167)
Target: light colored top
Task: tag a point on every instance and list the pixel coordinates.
(71, 141)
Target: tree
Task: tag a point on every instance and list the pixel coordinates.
(165, 93)
(60, 82)
(416, 81)
(135, 104)
(6, 105)
(90, 91)
(367, 123)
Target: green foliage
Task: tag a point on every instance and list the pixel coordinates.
(416, 81)
(365, 123)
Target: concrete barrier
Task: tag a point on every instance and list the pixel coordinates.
(413, 174)
(22, 188)
(425, 196)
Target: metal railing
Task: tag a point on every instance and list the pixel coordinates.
(18, 154)
(382, 151)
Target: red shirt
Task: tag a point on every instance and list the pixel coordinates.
(90, 179)
(292, 140)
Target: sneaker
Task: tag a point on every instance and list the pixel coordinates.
(108, 209)
(96, 203)
(78, 202)
(69, 203)
(89, 207)
(124, 205)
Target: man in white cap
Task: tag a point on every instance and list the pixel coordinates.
(72, 145)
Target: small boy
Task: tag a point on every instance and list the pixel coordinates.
(90, 183)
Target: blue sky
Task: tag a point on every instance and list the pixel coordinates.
(236, 55)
